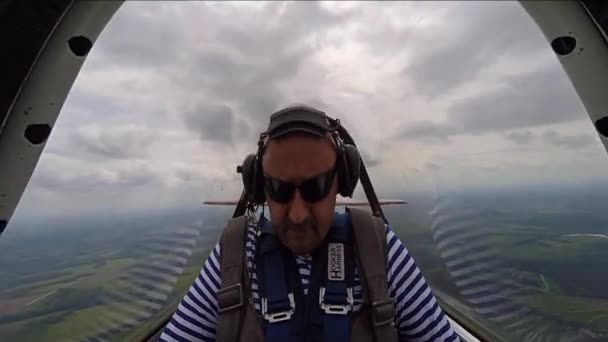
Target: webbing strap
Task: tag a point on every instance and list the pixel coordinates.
(277, 304)
(230, 297)
(336, 325)
(370, 241)
(336, 298)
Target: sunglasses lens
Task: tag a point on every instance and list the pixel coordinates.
(311, 190)
(278, 191)
(315, 189)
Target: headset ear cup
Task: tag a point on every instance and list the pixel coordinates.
(253, 179)
(342, 172)
(353, 169)
(259, 197)
(247, 173)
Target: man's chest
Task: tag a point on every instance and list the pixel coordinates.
(305, 270)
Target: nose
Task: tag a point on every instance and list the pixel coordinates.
(298, 209)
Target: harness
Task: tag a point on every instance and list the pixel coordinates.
(289, 314)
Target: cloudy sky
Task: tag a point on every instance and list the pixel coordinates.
(173, 96)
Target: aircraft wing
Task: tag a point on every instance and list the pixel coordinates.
(353, 203)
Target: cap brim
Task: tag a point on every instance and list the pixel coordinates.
(281, 131)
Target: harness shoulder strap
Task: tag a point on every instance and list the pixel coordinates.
(371, 251)
(277, 298)
(230, 297)
(336, 296)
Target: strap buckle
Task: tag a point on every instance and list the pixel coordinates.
(337, 309)
(230, 298)
(383, 312)
(281, 315)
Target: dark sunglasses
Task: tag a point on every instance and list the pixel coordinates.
(312, 189)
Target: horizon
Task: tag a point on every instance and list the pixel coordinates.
(538, 192)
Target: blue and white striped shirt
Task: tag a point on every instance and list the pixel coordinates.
(418, 315)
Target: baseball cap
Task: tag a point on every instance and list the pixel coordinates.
(300, 118)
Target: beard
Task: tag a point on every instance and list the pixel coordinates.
(308, 225)
(300, 238)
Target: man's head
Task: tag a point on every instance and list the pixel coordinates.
(299, 163)
(300, 166)
(301, 218)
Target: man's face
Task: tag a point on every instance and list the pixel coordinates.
(300, 225)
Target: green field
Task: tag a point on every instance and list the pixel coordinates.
(82, 284)
(591, 313)
(87, 292)
(560, 279)
(84, 308)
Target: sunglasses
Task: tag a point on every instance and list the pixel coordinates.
(312, 190)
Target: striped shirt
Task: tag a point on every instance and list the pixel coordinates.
(417, 316)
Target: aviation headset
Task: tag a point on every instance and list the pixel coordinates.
(302, 119)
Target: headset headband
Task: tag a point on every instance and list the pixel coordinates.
(310, 120)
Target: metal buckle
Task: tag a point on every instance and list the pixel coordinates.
(224, 298)
(279, 316)
(337, 309)
(383, 312)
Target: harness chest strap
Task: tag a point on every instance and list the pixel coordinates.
(336, 297)
(278, 304)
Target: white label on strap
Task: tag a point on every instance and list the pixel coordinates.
(335, 262)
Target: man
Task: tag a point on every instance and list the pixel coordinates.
(301, 166)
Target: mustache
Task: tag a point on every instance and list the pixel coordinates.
(308, 223)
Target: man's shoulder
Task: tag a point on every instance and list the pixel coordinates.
(250, 236)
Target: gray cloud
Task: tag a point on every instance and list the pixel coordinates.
(427, 132)
(532, 99)
(59, 176)
(137, 32)
(242, 63)
(463, 44)
(214, 71)
(370, 159)
(122, 142)
(382, 36)
(245, 63)
(82, 107)
(432, 167)
(538, 98)
(552, 137)
(472, 36)
(372, 162)
(520, 137)
(213, 122)
(573, 142)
